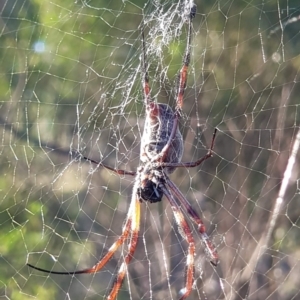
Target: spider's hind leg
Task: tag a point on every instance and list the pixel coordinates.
(133, 219)
(188, 236)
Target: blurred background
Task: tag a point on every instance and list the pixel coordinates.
(70, 84)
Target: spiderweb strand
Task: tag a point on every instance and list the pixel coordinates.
(197, 162)
(209, 246)
(187, 234)
(265, 240)
(71, 79)
(131, 227)
(118, 171)
(135, 227)
(183, 74)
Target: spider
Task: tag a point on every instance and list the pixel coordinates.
(160, 154)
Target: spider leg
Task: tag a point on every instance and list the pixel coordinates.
(186, 62)
(96, 268)
(180, 89)
(187, 234)
(135, 227)
(194, 163)
(118, 171)
(209, 246)
(146, 86)
(132, 222)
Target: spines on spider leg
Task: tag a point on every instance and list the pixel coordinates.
(113, 248)
(188, 236)
(209, 246)
(103, 261)
(118, 281)
(135, 226)
(186, 61)
(189, 272)
(190, 258)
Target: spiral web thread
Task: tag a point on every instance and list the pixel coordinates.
(71, 87)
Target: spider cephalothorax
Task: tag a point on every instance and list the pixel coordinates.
(161, 153)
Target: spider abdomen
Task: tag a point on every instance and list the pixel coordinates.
(158, 127)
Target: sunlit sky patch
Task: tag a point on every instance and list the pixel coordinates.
(39, 46)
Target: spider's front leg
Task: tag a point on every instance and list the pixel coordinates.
(194, 163)
(182, 78)
(118, 171)
(182, 81)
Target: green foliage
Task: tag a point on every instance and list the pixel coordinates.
(70, 79)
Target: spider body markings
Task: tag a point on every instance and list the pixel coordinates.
(157, 130)
(160, 154)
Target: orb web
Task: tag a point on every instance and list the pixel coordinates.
(71, 87)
